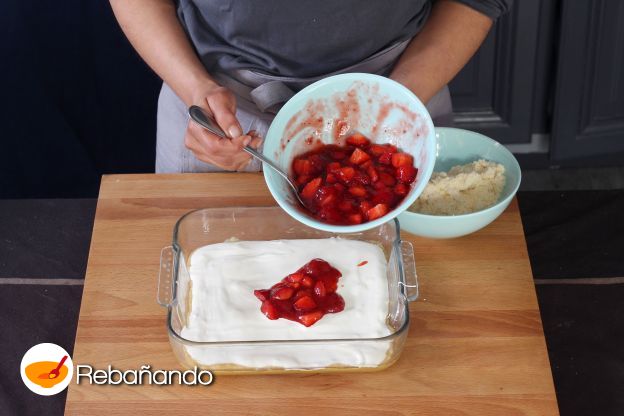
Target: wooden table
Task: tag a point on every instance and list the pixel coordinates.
(475, 344)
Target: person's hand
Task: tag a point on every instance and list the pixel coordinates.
(227, 153)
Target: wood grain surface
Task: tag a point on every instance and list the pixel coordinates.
(475, 344)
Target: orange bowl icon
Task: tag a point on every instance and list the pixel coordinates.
(41, 373)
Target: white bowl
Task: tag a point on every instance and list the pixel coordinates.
(327, 111)
(458, 147)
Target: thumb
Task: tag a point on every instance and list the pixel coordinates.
(226, 119)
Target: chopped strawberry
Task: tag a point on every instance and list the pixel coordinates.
(377, 211)
(387, 179)
(310, 319)
(333, 167)
(302, 180)
(302, 167)
(330, 273)
(319, 289)
(385, 159)
(307, 281)
(385, 197)
(295, 277)
(335, 303)
(317, 266)
(346, 173)
(377, 149)
(305, 303)
(401, 189)
(282, 293)
(301, 293)
(357, 191)
(354, 218)
(336, 180)
(372, 174)
(304, 296)
(402, 159)
(367, 164)
(327, 195)
(330, 214)
(406, 174)
(310, 189)
(365, 206)
(269, 310)
(345, 205)
(357, 139)
(358, 157)
(261, 294)
(386, 169)
(330, 283)
(338, 155)
(362, 178)
(317, 163)
(379, 185)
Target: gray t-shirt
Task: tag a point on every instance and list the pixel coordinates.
(304, 38)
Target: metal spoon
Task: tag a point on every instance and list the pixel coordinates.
(200, 117)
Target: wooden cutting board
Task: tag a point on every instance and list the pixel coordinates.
(475, 344)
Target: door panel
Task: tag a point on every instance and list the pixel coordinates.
(589, 100)
(494, 93)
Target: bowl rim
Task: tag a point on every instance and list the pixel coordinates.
(484, 210)
(310, 222)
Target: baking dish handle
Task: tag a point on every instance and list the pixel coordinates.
(409, 271)
(165, 276)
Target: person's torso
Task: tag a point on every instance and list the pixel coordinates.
(297, 38)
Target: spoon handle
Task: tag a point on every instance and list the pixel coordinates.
(60, 364)
(201, 118)
(266, 160)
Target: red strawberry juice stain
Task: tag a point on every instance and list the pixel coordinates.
(347, 115)
(348, 107)
(406, 123)
(310, 117)
(304, 296)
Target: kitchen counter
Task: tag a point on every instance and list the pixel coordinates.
(475, 345)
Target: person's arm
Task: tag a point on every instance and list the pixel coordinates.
(450, 37)
(155, 32)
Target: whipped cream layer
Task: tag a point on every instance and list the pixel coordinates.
(224, 308)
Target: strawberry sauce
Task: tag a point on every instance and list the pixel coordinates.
(305, 295)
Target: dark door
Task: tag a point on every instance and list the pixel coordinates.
(500, 93)
(588, 118)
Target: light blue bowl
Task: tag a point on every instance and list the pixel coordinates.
(458, 147)
(327, 111)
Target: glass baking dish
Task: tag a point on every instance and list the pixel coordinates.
(217, 225)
